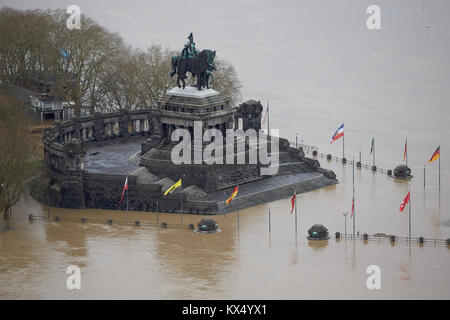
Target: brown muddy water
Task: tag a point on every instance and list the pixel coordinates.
(148, 262)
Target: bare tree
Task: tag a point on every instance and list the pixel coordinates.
(79, 58)
(153, 75)
(23, 43)
(120, 83)
(226, 81)
(18, 160)
(92, 67)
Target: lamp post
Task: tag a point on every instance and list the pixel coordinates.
(345, 222)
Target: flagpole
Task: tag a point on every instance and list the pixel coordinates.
(268, 119)
(343, 145)
(439, 170)
(225, 205)
(354, 207)
(424, 176)
(409, 206)
(127, 198)
(269, 222)
(406, 151)
(295, 210)
(181, 203)
(345, 223)
(374, 151)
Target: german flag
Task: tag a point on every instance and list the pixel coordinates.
(235, 191)
(435, 155)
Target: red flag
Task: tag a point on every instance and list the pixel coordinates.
(293, 203)
(405, 201)
(125, 187)
(353, 207)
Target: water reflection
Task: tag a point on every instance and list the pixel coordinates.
(317, 244)
(74, 245)
(202, 257)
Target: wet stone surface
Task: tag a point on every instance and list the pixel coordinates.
(112, 156)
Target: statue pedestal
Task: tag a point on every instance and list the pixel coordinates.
(195, 110)
(192, 92)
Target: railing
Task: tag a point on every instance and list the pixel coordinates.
(110, 222)
(314, 151)
(388, 238)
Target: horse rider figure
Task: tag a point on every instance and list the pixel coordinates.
(189, 50)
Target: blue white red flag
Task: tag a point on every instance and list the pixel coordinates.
(338, 134)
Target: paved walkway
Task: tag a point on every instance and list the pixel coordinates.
(112, 156)
(262, 185)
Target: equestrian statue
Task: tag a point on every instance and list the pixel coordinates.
(199, 64)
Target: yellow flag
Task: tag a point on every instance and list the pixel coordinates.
(176, 185)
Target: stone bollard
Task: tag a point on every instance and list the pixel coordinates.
(191, 226)
(392, 239)
(57, 218)
(315, 153)
(338, 235)
(328, 156)
(110, 221)
(365, 237)
(137, 223)
(30, 217)
(83, 220)
(164, 225)
(421, 240)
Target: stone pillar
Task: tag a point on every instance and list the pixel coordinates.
(133, 127)
(72, 186)
(77, 130)
(98, 127)
(123, 124)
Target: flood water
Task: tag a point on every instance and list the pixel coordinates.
(319, 66)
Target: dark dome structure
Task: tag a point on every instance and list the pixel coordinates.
(402, 171)
(207, 225)
(318, 232)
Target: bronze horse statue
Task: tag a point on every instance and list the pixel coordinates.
(201, 67)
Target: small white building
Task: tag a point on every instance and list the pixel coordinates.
(46, 106)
